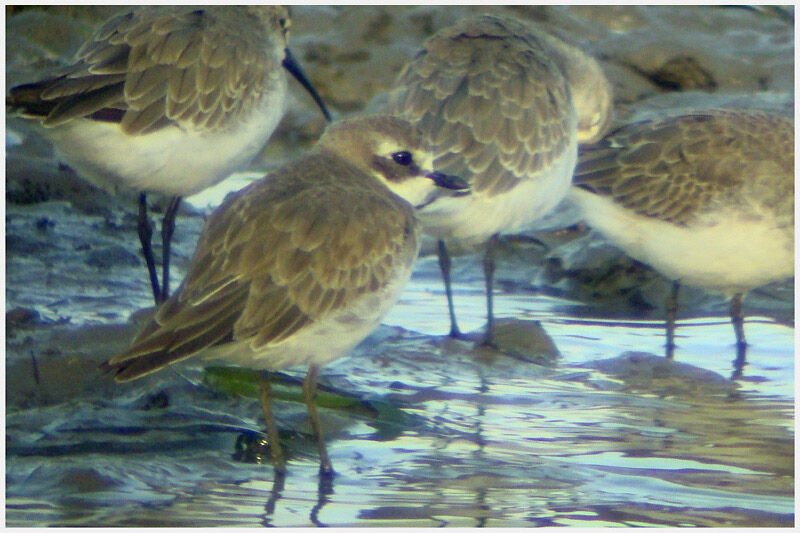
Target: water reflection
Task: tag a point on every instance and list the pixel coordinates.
(324, 490)
(274, 496)
(481, 493)
(609, 433)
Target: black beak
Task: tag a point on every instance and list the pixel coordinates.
(294, 69)
(448, 182)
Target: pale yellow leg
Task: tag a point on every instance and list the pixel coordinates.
(309, 392)
(272, 432)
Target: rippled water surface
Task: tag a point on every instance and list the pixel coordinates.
(463, 437)
(609, 432)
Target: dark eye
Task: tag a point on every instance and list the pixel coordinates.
(402, 158)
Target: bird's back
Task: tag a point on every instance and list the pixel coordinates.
(201, 68)
(278, 257)
(705, 197)
(677, 168)
(495, 106)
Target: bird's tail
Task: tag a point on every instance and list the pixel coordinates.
(26, 100)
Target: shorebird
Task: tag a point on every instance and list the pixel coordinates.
(299, 267)
(592, 94)
(168, 99)
(705, 198)
(494, 101)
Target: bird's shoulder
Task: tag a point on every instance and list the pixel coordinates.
(151, 67)
(676, 167)
(496, 107)
(304, 242)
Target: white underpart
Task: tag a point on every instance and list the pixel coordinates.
(324, 341)
(725, 251)
(171, 161)
(472, 219)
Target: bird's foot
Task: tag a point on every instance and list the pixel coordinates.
(326, 470)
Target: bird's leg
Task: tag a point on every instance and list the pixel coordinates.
(737, 318)
(275, 450)
(167, 228)
(488, 270)
(444, 266)
(145, 236)
(739, 362)
(672, 311)
(309, 393)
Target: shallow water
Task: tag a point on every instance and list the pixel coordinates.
(469, 438)
(609, 433)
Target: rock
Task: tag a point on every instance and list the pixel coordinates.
(31, 180)
(683, 73)
(17, 244)
(715, 39)
(666, 377)
(21, 317)
(589, 268)
(525, 340)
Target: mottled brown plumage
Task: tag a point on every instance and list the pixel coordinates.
(491, 100)
(498, 110)
(677, 168)
(168, 99)
(201, 67)
(706, 198)
(592, 94)
(299, 267)
(278, 255)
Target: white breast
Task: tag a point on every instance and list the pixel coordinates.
(472, 219)
(726, 250)
(171, 161)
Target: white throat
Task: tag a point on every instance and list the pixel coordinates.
(417, 191)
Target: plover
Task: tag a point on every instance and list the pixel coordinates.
(706, 198)
(497, 107)
(592, 94)
(299, 267)
(168, 99)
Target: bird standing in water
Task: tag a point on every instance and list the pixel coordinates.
(299, 267)
(496, 106)
(168, 99)
(706, 198)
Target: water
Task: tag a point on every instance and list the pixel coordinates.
(470, 438)
(464, 437)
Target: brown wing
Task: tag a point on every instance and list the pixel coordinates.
(273, 259)
(494, 106)
(152, 66)
(674, 168)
